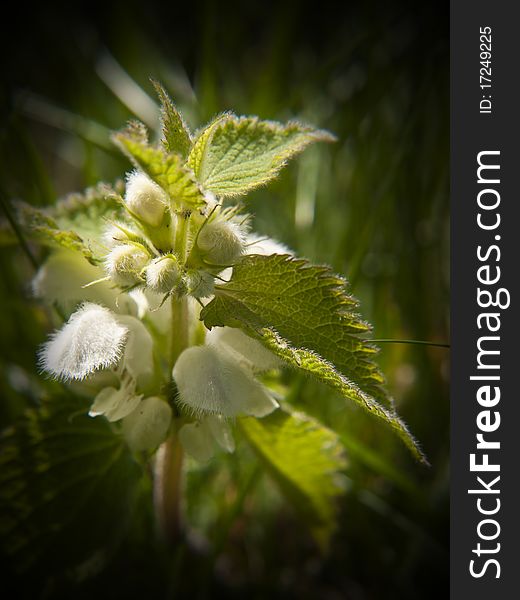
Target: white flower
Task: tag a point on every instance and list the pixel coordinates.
(242, 348)
(265, 246)
(91, 339)
(61, 279)
(114, 403)
(198, 438)
(212, 382)
(145, 199)
(147, 425)
(138, 356)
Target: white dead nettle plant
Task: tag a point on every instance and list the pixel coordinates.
(180, 312)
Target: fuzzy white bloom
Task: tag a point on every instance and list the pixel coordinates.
(115, 404)
(221, 242)
(163, 274)
(145, 199)
(147, 425)
(124, 263)
(91, 339)
(138, 356)
(198, 438)
(211, 382)
(242, 348)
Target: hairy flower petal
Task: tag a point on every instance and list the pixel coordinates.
(243, 348)
(91, 339)
(138, 356)
(211, 382)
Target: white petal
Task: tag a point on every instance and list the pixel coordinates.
(211, 382)
(61, 277)
(91, 339)
(243, 348)
(197, 441)
(146, 427)
(266, 246)
(221, 431)
(141, 302)
(138, 356)
(115, 404)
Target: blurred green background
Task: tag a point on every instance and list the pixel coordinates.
(374, 206)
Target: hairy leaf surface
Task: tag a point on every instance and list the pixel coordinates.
(304, 315)
(168, 170)
(236, 154)
(176, 135)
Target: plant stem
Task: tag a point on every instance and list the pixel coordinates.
(180, 328)
(169, 461)
(168, 466)
(168, 487)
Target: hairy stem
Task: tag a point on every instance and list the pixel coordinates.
(168, 466)
(180, 328)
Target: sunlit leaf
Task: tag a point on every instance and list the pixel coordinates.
(176, 135)
(236, 154)
(305, 459)
(166, 169)
(304, 315)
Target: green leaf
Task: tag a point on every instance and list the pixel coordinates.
(168, 170)
(304, 315)
(236, 154)
(67, 484)
(41, 227)
(176, 135)
(305, 459)
(87, 213)
(75, 222)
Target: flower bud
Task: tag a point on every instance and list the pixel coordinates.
(200, 284)
(220, 242)
(163, 274)
(211, 382)
(124, 264)
(119, 233)
(146, 427)
(145, 199)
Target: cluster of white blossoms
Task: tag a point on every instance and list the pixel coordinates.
(171, 252)
(112, 345)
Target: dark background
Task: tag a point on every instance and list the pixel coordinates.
(374, 206)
